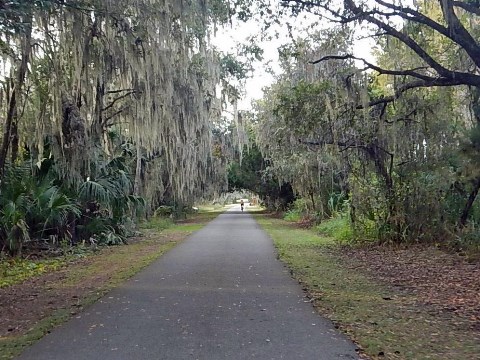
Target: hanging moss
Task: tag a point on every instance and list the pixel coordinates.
(143, 70)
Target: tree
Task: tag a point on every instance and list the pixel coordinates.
(142, 71)
(453, 23)
(296, 115)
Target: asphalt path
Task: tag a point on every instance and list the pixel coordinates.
(221, 294)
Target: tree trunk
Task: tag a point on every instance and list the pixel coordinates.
(138, 168)
(313, 201)
(469, 204)
(138, 172)
(386, 173)
(97, 125)
(15, 140)
(12, 106)
(16, 93)
(476, 184)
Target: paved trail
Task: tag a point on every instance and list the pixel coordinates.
(221, 294)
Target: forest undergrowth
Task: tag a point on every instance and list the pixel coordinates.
(415, 302)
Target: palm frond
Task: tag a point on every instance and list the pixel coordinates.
(98, 191)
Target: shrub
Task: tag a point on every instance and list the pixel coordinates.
(339, 227)
(298, 210)
(110, 238)
(467, 240)
(163, 211)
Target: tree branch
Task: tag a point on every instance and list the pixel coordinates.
(113, 115)
(119, 91)
(465, 78)
(455, 31)
(471, 8)
(407, 40)
(412, 85)
(118, 99)
(422, 80)
(411, 72)
(405, 118)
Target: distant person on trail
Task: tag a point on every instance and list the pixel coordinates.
(241, 204)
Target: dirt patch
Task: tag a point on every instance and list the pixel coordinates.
(445, 283)
(24, 307)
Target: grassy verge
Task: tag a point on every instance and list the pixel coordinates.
(79, 284)
(384, 323)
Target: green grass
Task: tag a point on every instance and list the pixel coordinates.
(378, 319)
(157, 224)
(217, 208)
(292, 216)
(255, 209)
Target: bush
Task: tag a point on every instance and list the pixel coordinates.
(467, 240)
(297, 211)
(37, 205)
(292, 215)
(337, 203)
(163, 211)
(340, 228)
(110, 238)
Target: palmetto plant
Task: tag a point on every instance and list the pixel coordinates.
(52, 212)
(108, 203)
(33, 207)
(14, 204)
(37, 205)
(13, 228)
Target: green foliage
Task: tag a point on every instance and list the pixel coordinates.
(110, 238)
(36, 208)
(467, 241)
(14, 271)
(163, 211)
(292, 216)
(297, 211)
(399, 165)
(408, 165)
(233, 68)
(14, 204)
(51, 211)
(252, 174)
(339, 227)
(303, 106)
(338, 203)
